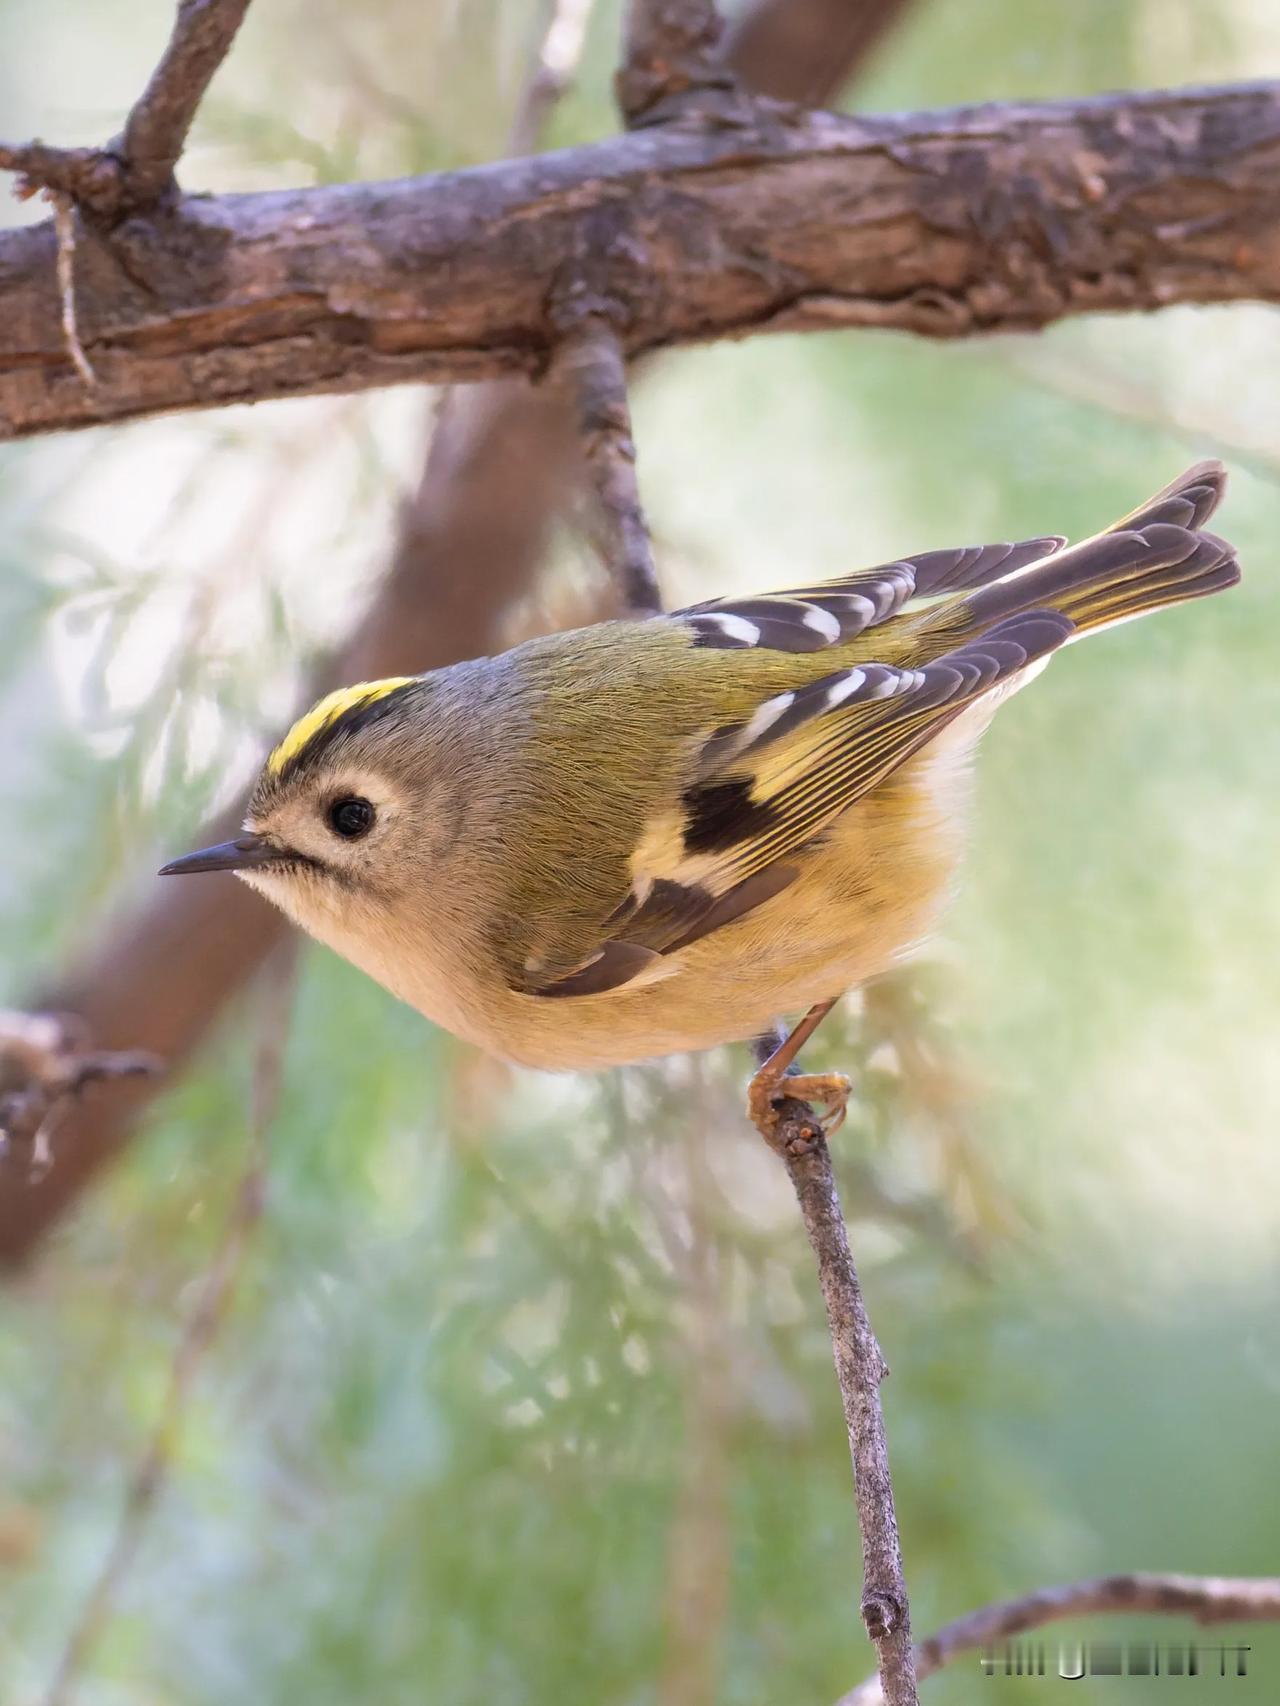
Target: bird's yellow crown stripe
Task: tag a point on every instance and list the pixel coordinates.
(323, 715)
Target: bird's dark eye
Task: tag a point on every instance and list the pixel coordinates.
(351, 817)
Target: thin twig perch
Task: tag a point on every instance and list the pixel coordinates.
(47, 1060)
(860, 1367)
(592, 364)
(1206, 1599)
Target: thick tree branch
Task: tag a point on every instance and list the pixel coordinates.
(135, 170)
(1207, 1599)
(946, 224)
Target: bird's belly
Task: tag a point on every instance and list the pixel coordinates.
(868, 894)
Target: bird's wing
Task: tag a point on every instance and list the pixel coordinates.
(808, 619)
(764, 788)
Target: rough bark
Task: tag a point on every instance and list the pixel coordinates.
(945, 224)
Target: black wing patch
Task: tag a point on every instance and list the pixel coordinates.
(718, 812)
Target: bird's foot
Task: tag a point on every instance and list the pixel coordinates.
(770, 1088)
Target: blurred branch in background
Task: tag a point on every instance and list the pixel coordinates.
(801, 50)
(46, 1064)
(501, 459)
(555, 64)
(1206, 1599)
(212, 1306)
(946, 224)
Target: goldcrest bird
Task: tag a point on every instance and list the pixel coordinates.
(652, 836)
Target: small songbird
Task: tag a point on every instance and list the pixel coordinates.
(651, 836)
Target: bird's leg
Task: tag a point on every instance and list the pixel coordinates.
(772, 1082)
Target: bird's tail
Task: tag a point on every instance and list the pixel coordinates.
(1155, 557)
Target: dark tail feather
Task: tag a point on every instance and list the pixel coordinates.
(1188, 501)
(1154, 558)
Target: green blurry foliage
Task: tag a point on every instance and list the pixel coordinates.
(439, 1451)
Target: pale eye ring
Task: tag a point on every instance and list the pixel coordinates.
(351, 817)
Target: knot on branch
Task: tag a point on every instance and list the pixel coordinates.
(711, 99)
(46, 1061)
(670, 52)
(673, 69)
(104, 184)
(95, 179)
(882, 1613)
(134, 171)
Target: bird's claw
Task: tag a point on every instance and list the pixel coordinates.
(829, 1090)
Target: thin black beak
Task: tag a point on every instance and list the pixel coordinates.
(245, 853)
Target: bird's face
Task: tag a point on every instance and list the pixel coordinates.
(352, 822)
(327, 846)
(342, 805)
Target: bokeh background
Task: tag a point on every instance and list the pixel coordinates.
(526, 1395)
